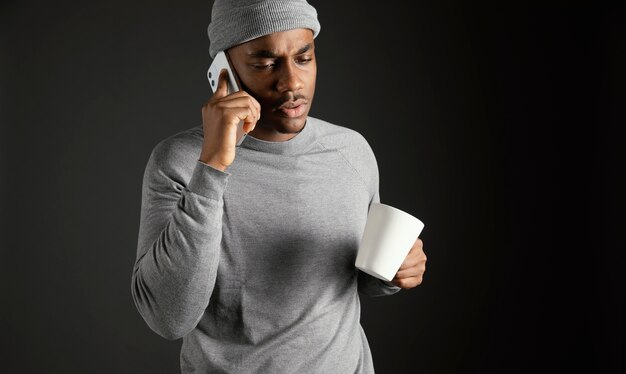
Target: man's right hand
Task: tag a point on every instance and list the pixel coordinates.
(220, 116)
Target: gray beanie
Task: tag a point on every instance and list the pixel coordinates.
(237, 21)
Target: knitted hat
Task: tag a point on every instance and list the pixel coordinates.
(237, 21)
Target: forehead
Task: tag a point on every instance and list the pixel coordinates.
(283, 42)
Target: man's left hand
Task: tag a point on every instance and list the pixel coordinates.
(412, 270)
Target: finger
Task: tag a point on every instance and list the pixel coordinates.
(241, 99)
(222, 84)
(415, 271)
(253, 102)
(248, 126)
(409, 262)
(412, 260)
(245, 115)
(258, 108)
(236, 95)
(232, 101)
(418, 243)
(408, 282)
(240, 114)
(415, 255)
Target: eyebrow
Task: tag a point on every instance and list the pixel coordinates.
(266, 53)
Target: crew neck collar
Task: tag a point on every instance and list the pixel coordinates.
(297, 144)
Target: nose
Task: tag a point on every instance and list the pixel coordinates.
(288, 79)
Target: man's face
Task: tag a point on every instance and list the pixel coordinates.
(279, 71)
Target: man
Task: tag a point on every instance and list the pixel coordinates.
(247, 252)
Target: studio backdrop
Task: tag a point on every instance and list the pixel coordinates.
(495, 124)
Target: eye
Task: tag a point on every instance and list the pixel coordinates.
(304, 60)
(262, 66)
(262, 63)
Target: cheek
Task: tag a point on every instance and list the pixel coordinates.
(311, 85)
(256, 90)
(311, 77)
(254, 85)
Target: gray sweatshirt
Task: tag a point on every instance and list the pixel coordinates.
(254, 267)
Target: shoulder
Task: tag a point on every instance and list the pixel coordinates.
(175, 156)
(349, 142)
(179, 145)
(337, 136)
(353, 147)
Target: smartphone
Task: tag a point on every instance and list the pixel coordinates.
(222, 62)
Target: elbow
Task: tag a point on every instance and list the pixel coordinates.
(170, 327)
(164, 324)
(167, 323)
(170, 331)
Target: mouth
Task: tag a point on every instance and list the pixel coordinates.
(293, 109)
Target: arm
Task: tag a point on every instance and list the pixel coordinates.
(179, 245)
(371, 286)
(409, 275)
(411, 271)
(181, 227)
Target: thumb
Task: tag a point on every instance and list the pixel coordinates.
(222, 84)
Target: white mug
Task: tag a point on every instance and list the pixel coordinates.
(387, 239)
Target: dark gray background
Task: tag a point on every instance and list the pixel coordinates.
(495, 124)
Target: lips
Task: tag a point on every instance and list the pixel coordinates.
(293, 109)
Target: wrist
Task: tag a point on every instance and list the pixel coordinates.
(212, 162)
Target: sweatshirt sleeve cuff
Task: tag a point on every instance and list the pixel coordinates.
(390, 285)
(208, 181)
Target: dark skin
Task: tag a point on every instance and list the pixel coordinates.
(277, 74)
(274, 70)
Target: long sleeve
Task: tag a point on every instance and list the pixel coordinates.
(179, 241)
(363, 160)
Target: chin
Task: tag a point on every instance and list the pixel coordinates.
(295, 125)
(290, 125)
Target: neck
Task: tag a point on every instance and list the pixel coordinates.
(270, 134)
